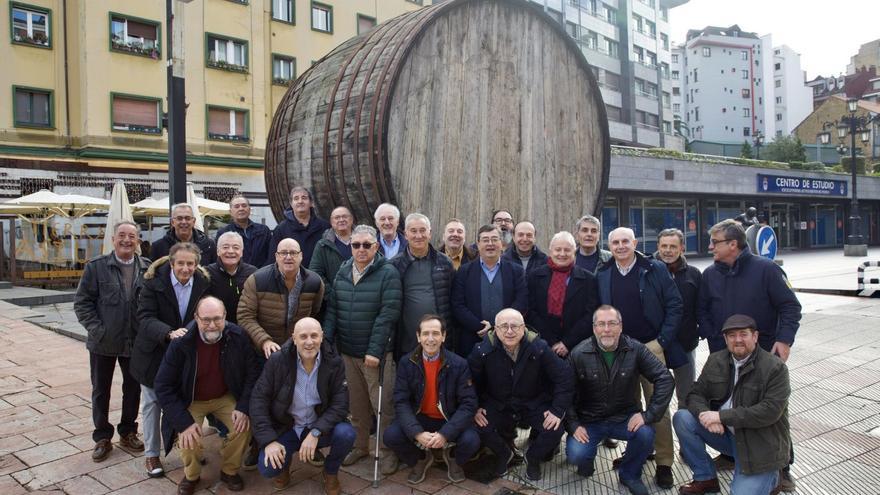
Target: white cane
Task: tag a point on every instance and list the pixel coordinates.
(378, 422)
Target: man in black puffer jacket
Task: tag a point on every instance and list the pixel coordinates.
(426, 278)
(183, 229)
(606, 369)
(300, 403)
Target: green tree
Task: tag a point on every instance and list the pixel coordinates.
(785, 149)
(746, 150)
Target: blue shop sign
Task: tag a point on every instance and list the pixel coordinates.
(801, 185)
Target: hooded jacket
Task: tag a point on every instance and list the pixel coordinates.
(162, 247)
(306, 235)
(102, 308)
(159, 315)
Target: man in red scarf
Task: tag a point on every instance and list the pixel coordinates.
(562, 297)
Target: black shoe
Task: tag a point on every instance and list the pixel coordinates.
(724, 462)
(503, 461)
(663, 476)
(251, 457)
(550, 455)
(533, 470)
(609, 443)
(587, 469)
(635, 486)
(616, 462)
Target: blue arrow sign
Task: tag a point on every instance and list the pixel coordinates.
(766, 241)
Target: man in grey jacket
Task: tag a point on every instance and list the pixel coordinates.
(106, 305)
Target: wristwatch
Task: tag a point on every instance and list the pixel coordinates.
(315, 433)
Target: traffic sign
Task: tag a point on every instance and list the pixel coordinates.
(765, 242)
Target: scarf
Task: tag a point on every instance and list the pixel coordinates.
(556, 292)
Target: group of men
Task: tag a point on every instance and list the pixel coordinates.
(283, 340)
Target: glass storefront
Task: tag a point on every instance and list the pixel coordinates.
(785, 220)
(825, 225)
(649, 216)
(610, 220)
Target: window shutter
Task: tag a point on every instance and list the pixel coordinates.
(218, 121)
(139, 30)
(128, 111)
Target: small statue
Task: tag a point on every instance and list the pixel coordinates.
(748, 218)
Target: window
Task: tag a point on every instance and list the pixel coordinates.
(283, 69)
(612, 80)
(778, 117)
(613, 113)
(777, 66)
(134, 36)
(282, 10)
(652, 29)
(365, 23)
(227, 124)
(664, 13)
(707, 51)
(30, 25)
(760, 100)
(746, 93)
(676, 91)
(322, 17)
(639, 54)
(571, 28)
(227, 53)
(667, 127)
(664, 40)
(33, 107)
(611, 48)
(747, 131)
(778, 83)
(676, 107)
(135, 113)
(651, 59)
(666, 99)
(675, 75)
(674, 58)
(696, 79)
(778, 100)
(696, 114)
(744, 54)
(610, 14)
(664, 70)
(747, 112)
(745, 73)
(637, 23)
(591, 38)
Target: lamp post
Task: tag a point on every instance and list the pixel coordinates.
(175, 118)
(759, 140)
(854, 125)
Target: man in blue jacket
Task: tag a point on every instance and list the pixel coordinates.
(256, 236)
(519, 381)
(483, 287)
(301, 223)
(742, 283)
(434, 404)
(650, 305)
(209, 370)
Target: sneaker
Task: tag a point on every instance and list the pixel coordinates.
(533, 470)
(587, 469)
(420, 470)
(281, 481)
(102, 450)
(318, 459)
(663, 476)
(635, 486)
(154, 467)
(454, 471)
(388, 464)
(234, 483)
(503, 461)
(355, 455)
(724, 462)
(786, 483)
(131, 442)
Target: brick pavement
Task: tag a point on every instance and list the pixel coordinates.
(45, 422)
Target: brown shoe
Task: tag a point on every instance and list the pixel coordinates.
(154, 467)
(281, 481)
(131, 442)
(700, 487)
(233, 481)
(102, 450)
(331, 484)
(187, 487)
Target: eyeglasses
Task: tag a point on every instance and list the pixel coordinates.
(489, 240)
(288, 254)
(216, 321)
(184, 219)
(359, 245)
(503, 220)
(713, 242)
(607, 324)
(504, 327)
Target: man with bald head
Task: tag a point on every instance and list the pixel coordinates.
(209, 370)
(524, 250)
(300, 404)
(454, 246)
(650, 307)
(333, 248)
(276, 296)
(519, 380)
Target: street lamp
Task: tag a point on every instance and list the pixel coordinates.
(175, 119)
(855, 125)
(759, 140)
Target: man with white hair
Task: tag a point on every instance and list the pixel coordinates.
(562, 297)
(426, 277)
(651, 308)
(256, 236)
(391, 241)
(589, 256)
(229, 273)
(183, 229)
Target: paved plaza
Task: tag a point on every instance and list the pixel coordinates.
(45, 416)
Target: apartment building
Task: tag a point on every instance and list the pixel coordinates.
(792, 98)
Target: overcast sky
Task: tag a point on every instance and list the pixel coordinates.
(826, 34)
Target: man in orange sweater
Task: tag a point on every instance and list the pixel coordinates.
(434, 404)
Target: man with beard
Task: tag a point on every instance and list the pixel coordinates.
(504, 221)
(210, 370)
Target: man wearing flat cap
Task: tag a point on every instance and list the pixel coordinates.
(739, 407)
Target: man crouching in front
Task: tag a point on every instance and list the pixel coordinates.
(209, 370)
(300, 404)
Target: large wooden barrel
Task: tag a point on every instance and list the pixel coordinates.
(453, 110)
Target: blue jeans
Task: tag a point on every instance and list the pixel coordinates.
(693, 438)
(466, 443)
(340, 441)
(150, 414)
(639, 444)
